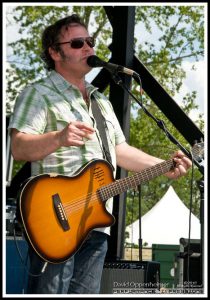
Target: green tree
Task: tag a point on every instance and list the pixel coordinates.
(181, 38)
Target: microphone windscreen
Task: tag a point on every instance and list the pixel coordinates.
(94, 61)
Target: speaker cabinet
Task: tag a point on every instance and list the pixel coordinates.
(130, 277)
(190, 262)
(16, 275)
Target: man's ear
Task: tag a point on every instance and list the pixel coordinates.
(54, 54)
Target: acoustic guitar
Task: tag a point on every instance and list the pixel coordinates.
(59, 211)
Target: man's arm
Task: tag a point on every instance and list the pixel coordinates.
(132, 159)
(33, 147)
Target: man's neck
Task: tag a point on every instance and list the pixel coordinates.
(78, 81)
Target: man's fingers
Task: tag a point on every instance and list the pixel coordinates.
(82, 130)
(82, 126)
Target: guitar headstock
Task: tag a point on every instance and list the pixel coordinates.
(198, 151)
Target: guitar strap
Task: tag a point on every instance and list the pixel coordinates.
(101, 125)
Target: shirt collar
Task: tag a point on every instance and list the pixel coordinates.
(62, 84)
(59, 81)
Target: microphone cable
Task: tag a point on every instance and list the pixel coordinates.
(24, 261)
(189, 253)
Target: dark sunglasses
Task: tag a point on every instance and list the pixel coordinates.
(78, 43)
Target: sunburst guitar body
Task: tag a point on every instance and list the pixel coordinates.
(59, 211)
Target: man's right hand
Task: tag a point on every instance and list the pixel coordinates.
(75, 133)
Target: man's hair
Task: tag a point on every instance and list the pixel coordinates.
(50, 37)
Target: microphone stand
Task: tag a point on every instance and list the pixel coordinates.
(162, 126)
(160, 123)
(200, 184)
(140, 236)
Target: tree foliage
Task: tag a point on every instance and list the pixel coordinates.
(180, 37)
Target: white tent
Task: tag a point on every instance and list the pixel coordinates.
(165, 223)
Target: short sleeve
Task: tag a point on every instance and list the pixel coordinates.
(30, 112)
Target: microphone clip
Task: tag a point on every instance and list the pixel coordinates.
(117, 79)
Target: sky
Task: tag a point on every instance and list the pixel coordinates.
(195, 80)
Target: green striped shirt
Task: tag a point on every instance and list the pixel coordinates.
(50, 105)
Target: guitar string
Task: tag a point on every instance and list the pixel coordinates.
(76, 201)
(80, 201)
(135, 176)
(105, 196)
(74, 207)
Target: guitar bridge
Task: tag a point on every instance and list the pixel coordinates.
(60, 213)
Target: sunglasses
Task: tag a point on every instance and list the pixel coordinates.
(78, 43)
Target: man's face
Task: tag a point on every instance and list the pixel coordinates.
(71, 59)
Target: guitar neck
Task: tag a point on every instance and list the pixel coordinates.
(119, 186)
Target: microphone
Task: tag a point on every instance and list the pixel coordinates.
(94, 62)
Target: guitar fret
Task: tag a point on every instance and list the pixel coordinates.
(122, 185)
(106, 192)
(132, 180)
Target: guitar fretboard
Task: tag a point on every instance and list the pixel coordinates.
(122, 185)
